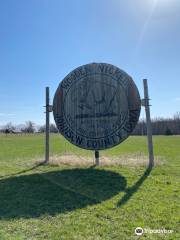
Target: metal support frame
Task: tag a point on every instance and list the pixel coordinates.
(145, 103)
(97, 157)
(48, 110)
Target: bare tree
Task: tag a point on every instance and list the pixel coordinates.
(42, 129)
(52, 128)
(9, 128)
(29, 127)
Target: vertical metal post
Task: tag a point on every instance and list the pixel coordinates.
(97, 157)
(148, 121)
(47, 127)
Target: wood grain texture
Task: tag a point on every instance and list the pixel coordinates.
(96, 106)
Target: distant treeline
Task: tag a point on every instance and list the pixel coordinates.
(160, 126)
(28, 127)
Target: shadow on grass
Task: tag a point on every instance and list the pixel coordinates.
(23, 171)
(130, 191)
(50, 193)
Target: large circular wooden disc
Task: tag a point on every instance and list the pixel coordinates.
(96, 106)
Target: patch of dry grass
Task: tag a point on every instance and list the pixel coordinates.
(138, 159)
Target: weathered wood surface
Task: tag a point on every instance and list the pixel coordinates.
(96, 106)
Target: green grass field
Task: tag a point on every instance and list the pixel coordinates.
(92, 203)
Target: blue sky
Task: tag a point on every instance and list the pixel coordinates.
(41, 41)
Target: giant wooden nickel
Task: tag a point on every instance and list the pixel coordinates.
(96, 106)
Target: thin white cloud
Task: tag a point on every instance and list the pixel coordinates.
(177, 99)
(7, 114)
